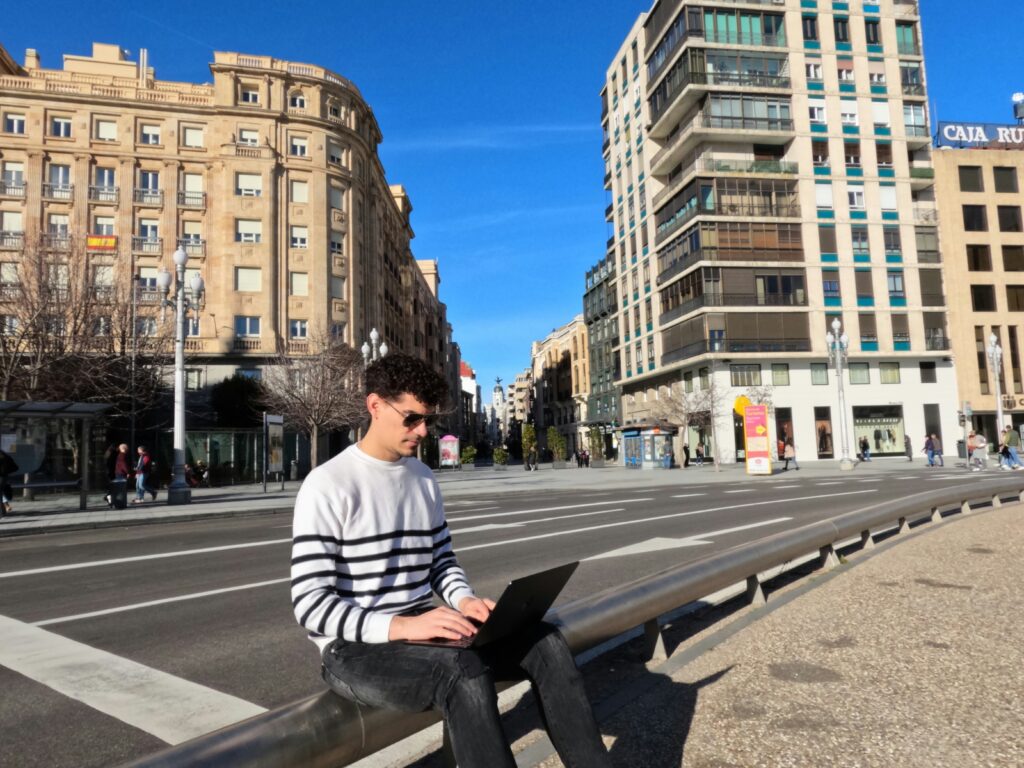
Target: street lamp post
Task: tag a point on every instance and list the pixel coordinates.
(995, 356)
(838, 346)
(374, 353)
(179, 491)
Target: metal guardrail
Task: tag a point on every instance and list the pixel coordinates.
(326, 731)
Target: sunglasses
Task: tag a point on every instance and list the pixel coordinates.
(411, 419)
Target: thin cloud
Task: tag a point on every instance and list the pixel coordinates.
(494, 137)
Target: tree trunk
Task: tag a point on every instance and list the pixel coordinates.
(314, 447)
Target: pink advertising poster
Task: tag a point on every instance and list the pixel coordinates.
(757, 440)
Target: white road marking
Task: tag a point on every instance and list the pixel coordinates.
(557, 509)
(520, 524)
(785, 487)
(742, 490)
(687, 495)
(660, 543)
(141, 558)
(163, 601)
(457, 512)
(661, 517)
(833, 482)
(170, 708)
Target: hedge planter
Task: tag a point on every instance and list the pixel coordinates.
(558, 465)
(596, 462)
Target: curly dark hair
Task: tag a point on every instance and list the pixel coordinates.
(398, 374)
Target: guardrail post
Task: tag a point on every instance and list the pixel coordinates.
(755, 594)
(996, 501)
(936, 515)
(867, 541)
(965, 507)
(654, 641)
(1020, 496)
(904, 525)
(447, 753)
(827, 559)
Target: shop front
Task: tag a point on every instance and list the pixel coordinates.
(647, 447)
(882, 426)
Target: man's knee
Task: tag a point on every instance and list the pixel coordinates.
(465, 679)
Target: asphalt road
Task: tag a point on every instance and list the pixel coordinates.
(194, 618)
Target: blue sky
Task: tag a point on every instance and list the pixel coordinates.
(491, 119)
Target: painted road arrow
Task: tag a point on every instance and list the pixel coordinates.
(660, 543)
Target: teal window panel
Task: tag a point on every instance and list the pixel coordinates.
(854, 171)
(633, 260)
(643, 214)
(808, 3)
(868, 8)
(830, 258)
(632, 223)
(887, 173)
(650, 327)
(636, 334)
(874, 48)
(851, 129)
(865, 301)
(815, 85)
(869, 346)
(646, 249)
(819, 128)
(639, 178)
(629, 191)
(824, 213)
(901, 346)
(840, 6)
(822, 171)
(629, 374)
(890, 215)
(650, 366)
(625, 303)
(647, 289)
(636, 295)
(629, 152)
(844, 46)
(897, 301)
(858, 214)
(862, 258)
(812, 45)
(883, 130)
(876, 88)
(894, 258)
(833, 301)
(847, 88)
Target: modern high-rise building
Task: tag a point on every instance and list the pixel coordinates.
(268, 178)
(979, 170)
(784, 147)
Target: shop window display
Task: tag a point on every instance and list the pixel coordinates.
(882, 426)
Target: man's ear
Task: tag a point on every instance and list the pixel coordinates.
(373, 405)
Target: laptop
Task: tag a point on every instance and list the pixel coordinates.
(524, 602)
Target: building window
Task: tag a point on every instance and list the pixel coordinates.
(337, 244)
(813, 69)
(149, 134)
(1009, 218)
(299, 237)
(819, 373)
(704, 374)
(298, 329)
(851, 154)
(298, 284)
(297, 100)
(845, 73)
(983, 298)
(193, 379)
(810, 27)
(970, 178)
(819, 153)
(248, 231)
(14, 123)
(745, 375)
(688, 382)
(247, 326)
(816, 111)
(823, 196)
(249, 136)
(333, 153)
(299, 191)
(894, 280)
(145, 326)
(337, 198)
(249, 373)
(1006, 179)
(61, 127)
(1015, 298)
(871, 32)
(1013, 258)
(848, 114)
(103, 225)
(891, 240)
(830, 284)
(298, 146)
(248, 184)
(860, 373)
(192, 137)
(248, 279)
(780, 374)
(928, 373)
(827, 239)
(975, 219)
(855, 195)
(889, 373)
(106, 130)
(842, 29)
(338, 292)
(979, 259)
(249, 96)
(883, 155)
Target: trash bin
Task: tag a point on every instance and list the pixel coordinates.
(293, 470)
(119, 494)
(961, 450)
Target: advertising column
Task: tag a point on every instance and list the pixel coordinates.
(756, 440)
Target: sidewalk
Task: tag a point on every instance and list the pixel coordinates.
(909, 655)
(61, 513)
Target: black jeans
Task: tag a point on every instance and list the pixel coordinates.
(460, 684)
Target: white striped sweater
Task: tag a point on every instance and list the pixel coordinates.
(369, 541)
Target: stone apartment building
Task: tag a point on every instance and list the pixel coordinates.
(561, 384)
(268, 177)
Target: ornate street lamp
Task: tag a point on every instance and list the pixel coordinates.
(374, 353)
(838, 347)
(179, 491)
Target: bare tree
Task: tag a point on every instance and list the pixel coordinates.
(706, 407)
(316, 386)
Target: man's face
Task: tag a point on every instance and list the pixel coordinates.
(388, 423)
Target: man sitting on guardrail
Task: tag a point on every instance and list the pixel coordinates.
(370, 546)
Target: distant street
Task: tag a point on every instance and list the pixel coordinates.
(197, 613)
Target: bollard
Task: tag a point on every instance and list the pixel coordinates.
(936, 515)
(755, 594)
(867, 541)
(827, 559)
(965, 507)
(654, 641)
(904, 525)
(996, 501)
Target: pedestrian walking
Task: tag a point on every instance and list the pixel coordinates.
(789, 454)
(865, 449)
(929, 450)
(1008, 458)
(370, 549)
(8, 466)
(908, 447)
(698, 455)
(143, 470)
(117, 493)
(977, 447)
(1012, 441)
(686, 455)
(937, 450)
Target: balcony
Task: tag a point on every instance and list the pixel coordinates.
(935, 341)
(298, 346)
(908, 48)
(12, 189)
(712, 166)
(151, 245)
(193, 246)
(58, 191)
(735, 346)
(921, 177)
(192, 199)
(685, 88)
(906, 7)
(12, 240)
(760, 130)
(246, 345)
(933, 300)
(913, 89)
(55, 241)
(734, 300)
(104, 194)
(918, 136)
(928, 257)
(103, 293)
(251, 151)
(744, 209)
(923, 215)
(746, 38)
(608, 212)
(154, 197)
(10, 292)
